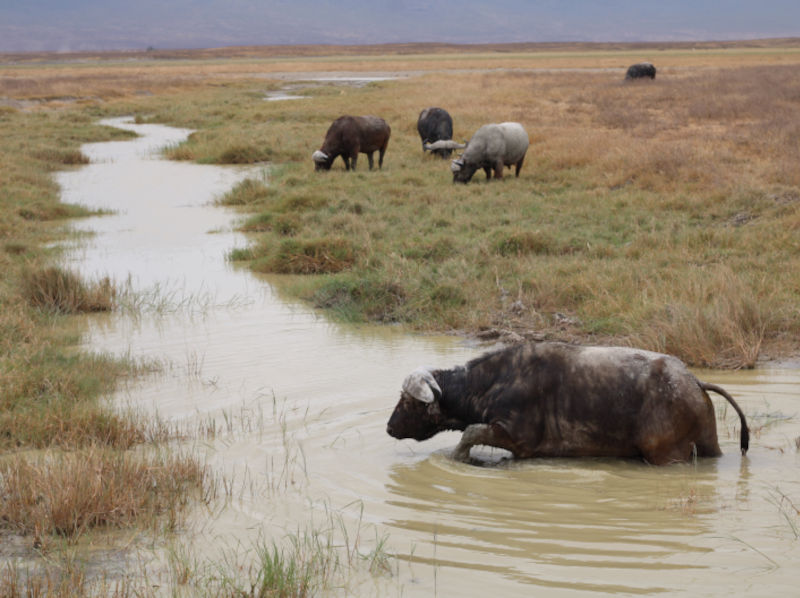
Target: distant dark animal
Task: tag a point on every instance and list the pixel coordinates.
(435, 124)
(558, 400)
(640, 70)
(492, 147)
(350, 135)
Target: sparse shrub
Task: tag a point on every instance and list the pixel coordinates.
(436, 251)
(66, 157)
(249, 191)
(15, 248)
(243, 154)
(62, 291)
(525, 243)
(46, 212)
(181, 151)
(446, 295)
(318, 256)
(44, 582)
(712, 319)
(299, 201)
(259, 223)
(287, 224)
(356, 299)
(240, 254)
(67, 494)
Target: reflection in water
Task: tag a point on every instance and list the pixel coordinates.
(532, 515)
(299, 408)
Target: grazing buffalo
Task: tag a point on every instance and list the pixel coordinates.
(559, 400)
(435, 124)
(492, 147)
(640, 70)
(350, 135)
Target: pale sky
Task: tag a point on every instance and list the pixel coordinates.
(75, 25)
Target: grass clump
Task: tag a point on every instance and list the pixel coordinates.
(247, 192)
(359, 299)
(66, 157)
(61, 291)
(314, 256)
(69, 494)
(219, 146)
(525, 243)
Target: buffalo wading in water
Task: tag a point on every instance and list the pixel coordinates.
(492, 148)
(350, 135)
(435, 124)
(554, 399)
(641, 70)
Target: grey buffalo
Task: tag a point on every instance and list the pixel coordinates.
(492, 148)
(350, 135)
(560, 400)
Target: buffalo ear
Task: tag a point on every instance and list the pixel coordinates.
(421, 385)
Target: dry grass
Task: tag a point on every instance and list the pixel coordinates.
(640, 217)
(61, 291)
(70, 494)
(86, 78)
(647, 213)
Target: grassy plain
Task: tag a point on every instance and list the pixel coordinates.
(663, 214)
(657, 214)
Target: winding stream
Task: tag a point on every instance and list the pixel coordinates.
(299, 405)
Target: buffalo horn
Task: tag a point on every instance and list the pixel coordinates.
(319, 156)
(421, 385)
(444, 144)
(456, 165)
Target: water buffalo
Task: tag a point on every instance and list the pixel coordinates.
(350, 135)
(435, 124)
(554, 399)
(492, 147)
(640, 70)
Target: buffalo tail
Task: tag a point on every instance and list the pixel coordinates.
(744, 438)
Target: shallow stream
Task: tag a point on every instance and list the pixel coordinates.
(299, 405)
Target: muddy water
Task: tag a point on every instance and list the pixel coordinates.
(298, 408)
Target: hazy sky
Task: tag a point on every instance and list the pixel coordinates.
(72, 25)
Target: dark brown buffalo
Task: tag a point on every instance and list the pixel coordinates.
(350, 135)
(561, 400)
(435, 124)
(640, 70)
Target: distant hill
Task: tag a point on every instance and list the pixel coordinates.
(310, 50)
(90, 25)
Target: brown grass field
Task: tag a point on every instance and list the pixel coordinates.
(663, 214)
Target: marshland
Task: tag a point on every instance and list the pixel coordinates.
(195, 376)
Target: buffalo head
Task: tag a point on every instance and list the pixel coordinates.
(462, 171)
(321, 160)
(417, 414)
